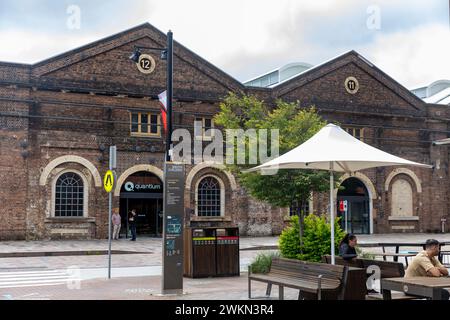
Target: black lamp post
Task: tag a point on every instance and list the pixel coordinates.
(172, 277)
(166, 54)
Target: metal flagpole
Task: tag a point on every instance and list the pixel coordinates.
(169, 94)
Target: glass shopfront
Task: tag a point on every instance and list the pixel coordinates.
(354, 193)
(143, 192)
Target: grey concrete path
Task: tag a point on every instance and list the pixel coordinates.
(149, 244)
(148, 253)
(152, 245)
(402, 237)
(143, 245)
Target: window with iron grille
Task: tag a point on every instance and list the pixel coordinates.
(69, 196)
(294, 210)
(358, 133)
(208, 204)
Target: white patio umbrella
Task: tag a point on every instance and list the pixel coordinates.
(335, 150)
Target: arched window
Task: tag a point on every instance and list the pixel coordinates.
(402, 199)
(209, 198)
(69, 196)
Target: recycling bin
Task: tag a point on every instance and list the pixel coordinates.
(211, 252)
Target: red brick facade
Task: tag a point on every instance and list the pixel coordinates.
(46, 128)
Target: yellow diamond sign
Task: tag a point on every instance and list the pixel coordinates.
(108, 181)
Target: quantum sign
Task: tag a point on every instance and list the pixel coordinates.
(142, 182)
(135, 187)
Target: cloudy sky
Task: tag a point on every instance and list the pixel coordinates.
(408, 39)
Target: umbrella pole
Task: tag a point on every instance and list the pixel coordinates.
(332, 212)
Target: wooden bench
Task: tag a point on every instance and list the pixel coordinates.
(395, 256)
(310, 277)
(388, 269)
(355, 262)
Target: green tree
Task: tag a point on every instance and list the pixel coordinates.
(288, 188)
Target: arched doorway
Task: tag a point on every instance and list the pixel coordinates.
(142, 191)
(354, 192)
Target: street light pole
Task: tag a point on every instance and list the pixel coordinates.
(172, 253)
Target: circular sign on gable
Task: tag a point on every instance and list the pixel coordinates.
(146, 64)
(351, 85)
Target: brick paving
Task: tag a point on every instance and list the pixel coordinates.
(142, 288)
(145, 287)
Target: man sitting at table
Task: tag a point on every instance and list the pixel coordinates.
(426, 264)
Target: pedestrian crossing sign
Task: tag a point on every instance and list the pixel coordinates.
(108, 181)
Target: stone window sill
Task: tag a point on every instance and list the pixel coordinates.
(69, 220)
(412, 218)
(203, 219)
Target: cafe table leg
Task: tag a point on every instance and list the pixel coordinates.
(440, 294)
(397, 250)
(386, 294)
(280, 292)
(269, 289)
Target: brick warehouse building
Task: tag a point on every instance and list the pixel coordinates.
(58, 118)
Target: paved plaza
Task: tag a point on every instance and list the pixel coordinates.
(51, 269)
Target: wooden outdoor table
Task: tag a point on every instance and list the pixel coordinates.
(425, 287)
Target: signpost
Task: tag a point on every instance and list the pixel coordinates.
(108, 183)
(346, 215)
(343, 207)
(172, 278)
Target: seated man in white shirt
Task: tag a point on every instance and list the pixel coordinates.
(426, 264)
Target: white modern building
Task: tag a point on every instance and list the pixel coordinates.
(274, 77)
(437, 92)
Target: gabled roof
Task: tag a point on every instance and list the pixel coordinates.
(338, 62)
(128, 36)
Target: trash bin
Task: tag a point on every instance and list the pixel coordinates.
(211, 252)
(227, 252)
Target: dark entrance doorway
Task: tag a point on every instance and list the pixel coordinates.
(358, 212)
(143, 192)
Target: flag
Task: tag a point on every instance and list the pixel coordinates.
(163, 101)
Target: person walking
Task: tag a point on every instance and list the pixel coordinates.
(132, 220)
(116, 221)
